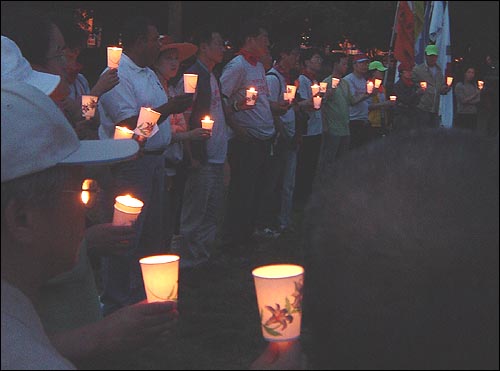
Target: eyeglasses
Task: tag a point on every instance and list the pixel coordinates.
(88, 192)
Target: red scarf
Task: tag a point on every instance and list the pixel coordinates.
(249, 57)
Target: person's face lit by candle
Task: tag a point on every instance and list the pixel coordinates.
(259, 44)
(168, 63)
(469, 75)
(214, 50)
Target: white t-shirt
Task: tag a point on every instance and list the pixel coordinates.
(138, 87)
(25, 346)
(217, 143)
(277, 86)
(79, 87)
(358, 87)
(238, 76)
(314, 124)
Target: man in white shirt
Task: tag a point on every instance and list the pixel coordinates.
(143, 178)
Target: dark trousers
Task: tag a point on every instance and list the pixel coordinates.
(307, 161)
(248, 162)
(360, 133)
(466, 121)
(427, 120)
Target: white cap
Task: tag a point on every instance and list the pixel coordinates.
(37, 136)
(16, 68)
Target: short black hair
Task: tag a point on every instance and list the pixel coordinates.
(135, 28)
(335, 58)
(307, 54)
(74, 35)
(250, 28)
(204, 34)
(283, 46)
(30, 30)
(402, 267)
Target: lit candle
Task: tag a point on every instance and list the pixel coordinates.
(480, 84)
(317, 102)
(377, 83)
(335, 82)
(279, 290)
(160, 274)
(423, 85)
(89, 104)
(286, 97)
(121, 132)
(251, 97)
(369, 87)
(127, 209)
(190, 82)
(146, 122)
(114, 56)
(392, 98)
(207, 123)
(449, 80)
(315, 89)
(291, 90)
(322, 87)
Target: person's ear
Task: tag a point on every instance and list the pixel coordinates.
(20, 220)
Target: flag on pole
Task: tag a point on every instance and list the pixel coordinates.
(421, 13)
(439, 32)
(405, 38)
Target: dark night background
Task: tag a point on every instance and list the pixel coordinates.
(474, 24)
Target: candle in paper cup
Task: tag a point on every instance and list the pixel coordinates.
(160, 274)
(291, 90)
(251, 97)
(315, 89)
(207, 123)
(377, 83)
(114, 56)
(392, 98)
(190, 82)
(317, 102)
(89, 104)
(480, 84)
(279, 290)
(121, 132)
(322, 87)
(127, 209)
(449, 80)
(335, 82)
(286, 97)
(369, 87)
(146, 123)
(423, 85)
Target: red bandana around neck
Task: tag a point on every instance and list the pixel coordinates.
(249, 57)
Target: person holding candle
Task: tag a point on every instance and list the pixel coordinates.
(335, 115)
(408, 95)
(281, 172)
(468, 96)
(144, 177)
(203, 195)
(431, 73)
(42, 214)
(253, 127)
(358, 113)
(379, 105)
(308, 127)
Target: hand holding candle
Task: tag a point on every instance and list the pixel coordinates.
(322, 87)
(392, 98)
(127, 209)
(480, 84)
(207, 124)
(377, 83)
(279, 291)
(335, 82)
(190, 82)
(114, 56)
(251, 97)
(147, 122)
(121, 132)
(317, 102)
(315, 89)
(423, 85)
(449, 80)
(160, 274)
(291, 90)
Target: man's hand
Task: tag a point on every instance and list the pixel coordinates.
(281, 355)
(199, 134)
(108, 239)
(106, 82)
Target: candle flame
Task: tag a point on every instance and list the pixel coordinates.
(207, 118)
(129, 201)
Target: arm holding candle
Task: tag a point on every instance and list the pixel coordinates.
(129, 328)
(281, 355)
(107, 81)
(108, 239)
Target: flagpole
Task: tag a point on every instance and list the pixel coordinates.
(391, 45)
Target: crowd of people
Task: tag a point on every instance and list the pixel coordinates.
(401, 223)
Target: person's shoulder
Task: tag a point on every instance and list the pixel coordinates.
(328, 79)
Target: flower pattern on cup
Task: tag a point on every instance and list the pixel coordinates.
(90, 106)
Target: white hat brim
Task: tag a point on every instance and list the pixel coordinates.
(95, 152)
(46, 82)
